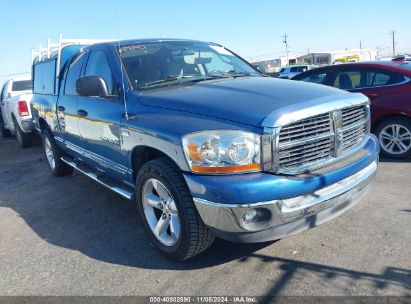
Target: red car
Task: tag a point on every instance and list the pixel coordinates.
(388, 86)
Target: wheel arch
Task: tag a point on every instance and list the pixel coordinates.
(381, 119)
(143, 154)
(42, 124)
(14, 119)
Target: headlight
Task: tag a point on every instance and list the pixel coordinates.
(222, 151)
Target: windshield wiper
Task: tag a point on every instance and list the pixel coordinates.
(198, 78)
(195, 78)
(229, 74)
(170, 78)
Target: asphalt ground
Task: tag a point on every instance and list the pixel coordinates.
(71, 236)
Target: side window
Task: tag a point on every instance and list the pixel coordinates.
(73, 74)
(362, 78)
(294, 70)
(315, 78)
(44, 77)
(98, 65)
(348, 80)
(22, 85)
(396, 79)
(376, 79)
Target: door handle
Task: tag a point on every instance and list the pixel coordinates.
(82, 113)
(61, 108)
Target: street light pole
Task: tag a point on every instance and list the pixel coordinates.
(286, 45)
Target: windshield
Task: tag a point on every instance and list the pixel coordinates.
(164, 63)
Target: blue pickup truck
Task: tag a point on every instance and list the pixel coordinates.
(202, 141)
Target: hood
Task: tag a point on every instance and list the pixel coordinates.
(247, 100)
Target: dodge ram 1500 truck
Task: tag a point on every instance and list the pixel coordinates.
(15, 115)
(202, 141)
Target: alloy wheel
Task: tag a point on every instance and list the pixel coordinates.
(49, 153)
(161, 212)
(395, 139)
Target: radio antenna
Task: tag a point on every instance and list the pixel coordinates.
(121, 68)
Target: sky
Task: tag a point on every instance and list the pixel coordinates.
(249, 28)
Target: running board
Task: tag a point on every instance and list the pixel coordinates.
(101, 179)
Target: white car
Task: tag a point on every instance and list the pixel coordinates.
(291, 71)
(15, 110)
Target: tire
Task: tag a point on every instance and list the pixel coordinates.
(25, 139)
(193, 236)
(5, 133)
(394, 137)
(53, 156)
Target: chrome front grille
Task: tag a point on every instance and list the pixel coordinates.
(306, 128)
(354, 129)
(353, 115)
(313, 141)
(305, 140)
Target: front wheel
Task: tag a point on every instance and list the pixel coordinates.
(168, 212)
(394, 136)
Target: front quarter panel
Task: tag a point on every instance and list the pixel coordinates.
(163, 129)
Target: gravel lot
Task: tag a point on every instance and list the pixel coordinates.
(71, 236)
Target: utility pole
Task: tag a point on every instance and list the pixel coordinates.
(286, 45)
(393, 42)
(360, 45)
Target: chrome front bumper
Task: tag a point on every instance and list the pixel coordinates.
(280, 218)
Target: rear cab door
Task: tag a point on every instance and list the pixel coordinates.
(68, 105)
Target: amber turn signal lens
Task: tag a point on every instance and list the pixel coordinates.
(193, 151)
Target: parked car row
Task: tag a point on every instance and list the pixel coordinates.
(204, 143)
(388, 86)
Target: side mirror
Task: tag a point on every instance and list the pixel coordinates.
(91, 86)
